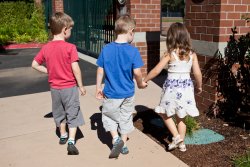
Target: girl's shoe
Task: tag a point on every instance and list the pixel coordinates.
(182, 147)
(175, 143)
(124, 150)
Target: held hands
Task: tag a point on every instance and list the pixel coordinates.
(143, 85)
(82, 90)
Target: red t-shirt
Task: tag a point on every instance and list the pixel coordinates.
(58, 56)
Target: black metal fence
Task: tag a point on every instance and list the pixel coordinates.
(94, 22)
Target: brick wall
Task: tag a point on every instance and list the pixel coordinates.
(147, 37)
(212, 20)
(209, 24)
(57, 5)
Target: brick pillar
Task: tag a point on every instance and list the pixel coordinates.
(209, 24)
(147, 36)
(57, 5)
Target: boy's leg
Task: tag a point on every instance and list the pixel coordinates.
(126, 121)
(110, 120)
(72, 150)
(63, 133)
(70, 98)
(59, 114)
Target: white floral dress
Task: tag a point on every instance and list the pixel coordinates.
(178, 90)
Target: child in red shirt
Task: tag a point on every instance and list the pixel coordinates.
(64, 75)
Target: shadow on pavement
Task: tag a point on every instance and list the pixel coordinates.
(146, 121)
(18, 78)
(96, 124)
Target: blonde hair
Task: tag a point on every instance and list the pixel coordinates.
(58, 21)
(178, 37)
(123, 24)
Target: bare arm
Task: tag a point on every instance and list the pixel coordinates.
(99, 78)
(77, 73)
(39, 67)
(197, 73)
(138, 77)
(158, 68)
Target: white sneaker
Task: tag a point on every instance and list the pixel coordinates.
(175, 142)
(182, 147)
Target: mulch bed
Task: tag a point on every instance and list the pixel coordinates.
(236, 143)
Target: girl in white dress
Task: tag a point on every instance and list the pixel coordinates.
(177, 97)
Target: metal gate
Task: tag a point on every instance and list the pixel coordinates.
(94, 23)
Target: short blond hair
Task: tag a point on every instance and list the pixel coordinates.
(123, 24)
(58, 21)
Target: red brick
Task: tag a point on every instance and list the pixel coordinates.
(214, 1)
(238, 23)
(234, 1)
(195, 36)
(240, 8)
(233, 15)
(207, 8)
(227, 8)
(245, 2)
(201, 15)
(206, 37)
(195, 22)
(244, 30)
(196, 8)
(201, 30)
(208, 102)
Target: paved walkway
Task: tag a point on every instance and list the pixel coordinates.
(28, 136)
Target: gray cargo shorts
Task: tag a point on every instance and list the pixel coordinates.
(66, 107)
(117, 115)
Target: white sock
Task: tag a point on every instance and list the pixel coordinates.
(71, 141)
(115, 138)
(65, 135)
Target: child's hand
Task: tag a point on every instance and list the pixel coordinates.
(143, 85)
(99, 94)
(198, 90)
(82, 90)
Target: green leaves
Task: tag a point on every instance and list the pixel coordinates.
(21, 22)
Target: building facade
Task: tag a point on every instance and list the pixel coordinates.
(208, 21)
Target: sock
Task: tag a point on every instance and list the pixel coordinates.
(124, 145)
(71, 141)
(65, 135)
(115, 138)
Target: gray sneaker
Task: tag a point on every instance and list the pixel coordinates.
(117, 148)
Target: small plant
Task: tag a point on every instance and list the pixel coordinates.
(242, 161)
(191, 125)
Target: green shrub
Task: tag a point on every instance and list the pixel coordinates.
(191, 124)
(21, 22)
(242, 161)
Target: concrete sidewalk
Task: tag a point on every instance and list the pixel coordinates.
(28, 136)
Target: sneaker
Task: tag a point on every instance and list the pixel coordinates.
(117, 148)
(182, 147)
(72, 150)
(175, 143)
(124, 150)
(63, 140)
